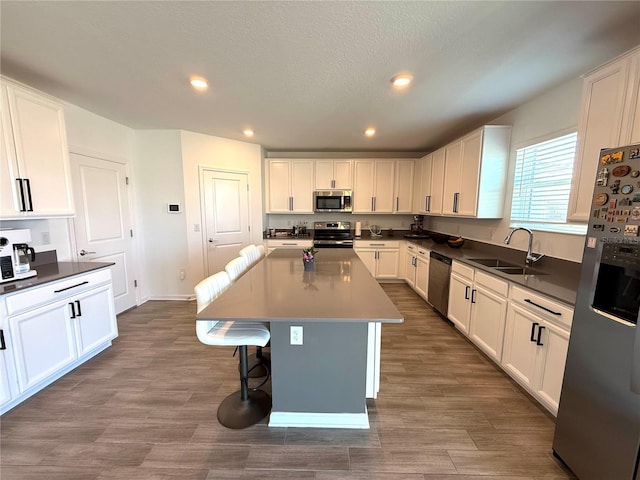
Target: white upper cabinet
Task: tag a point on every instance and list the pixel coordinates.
(429, 183)
(373, 190)
(383, 186)
(609, 117)
(34, 161)
(475, 173)
(289, 186)
(404, 186)
(334, 174)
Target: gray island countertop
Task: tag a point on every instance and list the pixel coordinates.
(339, 289)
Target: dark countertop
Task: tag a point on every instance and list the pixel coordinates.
(50, 272)
(559, 280)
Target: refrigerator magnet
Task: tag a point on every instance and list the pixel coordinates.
(635, 213)
(631, 230)
(599, 227)
(621, 171)
(614, 229)
(635, 173)
(626, 189)
(615, 188)
(600, 198)
(634, 153)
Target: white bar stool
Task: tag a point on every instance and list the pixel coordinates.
(245, 407)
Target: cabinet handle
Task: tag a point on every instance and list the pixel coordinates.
(466, 292)
(376, 244)
(533, 331)
(429, 203)
(72, 286)
(473, 296)
(455, 202)
(291, 204)
(372, 207)
(79, 310)
(73, 310)
(30, 209)
(23, 207)
(538, 342)
(414, 261)
(397, 204)
(543, 308)
(3, 346)
(426, 203)
(333, 184)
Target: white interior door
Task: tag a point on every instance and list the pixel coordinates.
(226, 212)
(102, 222)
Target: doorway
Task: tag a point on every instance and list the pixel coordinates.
(102, 225)
(225, 206)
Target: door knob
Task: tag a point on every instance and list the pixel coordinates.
(83, 252)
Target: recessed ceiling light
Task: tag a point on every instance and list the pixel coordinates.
(248, 132)
(402, 80)
(370, 132)
(199, 83)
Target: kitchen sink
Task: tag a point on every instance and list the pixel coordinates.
(493, 262)
(506, 267)
(518, 271)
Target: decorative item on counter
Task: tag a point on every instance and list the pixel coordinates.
(376, 231)
(455, 242)
(358, 232)
(308, 258)
(439, 237)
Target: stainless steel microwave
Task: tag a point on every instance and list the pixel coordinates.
(332, 201)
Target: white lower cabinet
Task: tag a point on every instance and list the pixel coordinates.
(382, 258)
(49, 330)
(478, 307)
(535, 344)
(461, 283)
(417, 269)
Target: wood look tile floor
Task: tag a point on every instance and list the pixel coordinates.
(146, 409)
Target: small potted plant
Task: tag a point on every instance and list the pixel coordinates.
(308, 256)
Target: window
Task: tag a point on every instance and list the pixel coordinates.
(542, 184)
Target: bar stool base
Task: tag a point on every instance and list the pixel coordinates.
(236, 413)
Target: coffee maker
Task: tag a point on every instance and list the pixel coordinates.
(417, 226)
(16, 255)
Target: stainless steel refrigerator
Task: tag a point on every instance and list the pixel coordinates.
(598, 426)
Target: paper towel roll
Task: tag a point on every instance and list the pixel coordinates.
(358, 229)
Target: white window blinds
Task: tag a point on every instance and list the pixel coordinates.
(542, 184)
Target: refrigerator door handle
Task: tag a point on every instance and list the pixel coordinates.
(635, 363)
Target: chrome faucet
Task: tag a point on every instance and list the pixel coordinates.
(531, 257)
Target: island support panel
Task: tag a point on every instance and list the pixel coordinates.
(322, 382)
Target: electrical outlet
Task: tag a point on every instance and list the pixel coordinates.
(288, 223)
(46, 238)
(295, 335)
(183, 274)
(196, 227)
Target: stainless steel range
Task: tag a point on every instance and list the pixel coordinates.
(332, 235)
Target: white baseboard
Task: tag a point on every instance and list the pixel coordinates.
(175, 298)
(319, 420)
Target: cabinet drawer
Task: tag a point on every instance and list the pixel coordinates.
(501, 287)
(423, 253)
(462, 270)
(411, 247)
(377, 244)
(293, 243)
(55, 291)
(542, 306)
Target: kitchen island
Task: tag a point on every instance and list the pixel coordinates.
(321, 382)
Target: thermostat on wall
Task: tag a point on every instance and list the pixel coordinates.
(174, 208)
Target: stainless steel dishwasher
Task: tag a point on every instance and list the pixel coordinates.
(439, 276)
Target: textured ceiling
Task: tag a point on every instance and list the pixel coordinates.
(309, 75)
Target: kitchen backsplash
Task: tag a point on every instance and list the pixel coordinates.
(397, 222)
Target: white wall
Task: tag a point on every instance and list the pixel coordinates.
(555, 111)
(162, 239)
(207, 151)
